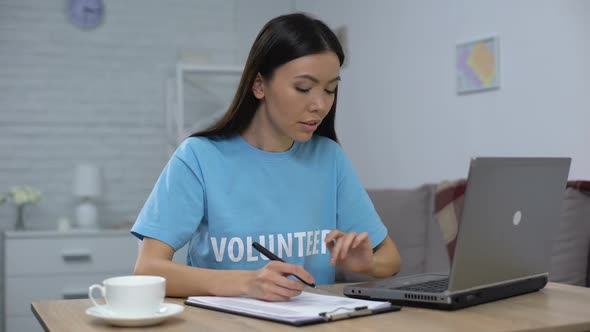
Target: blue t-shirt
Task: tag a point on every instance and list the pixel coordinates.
(220, 195)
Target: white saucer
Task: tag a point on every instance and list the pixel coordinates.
(103, 312)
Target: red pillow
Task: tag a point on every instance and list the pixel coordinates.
(447, 209)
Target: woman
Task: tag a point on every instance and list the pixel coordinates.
(270, 171)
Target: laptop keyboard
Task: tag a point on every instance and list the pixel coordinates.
(433, 286)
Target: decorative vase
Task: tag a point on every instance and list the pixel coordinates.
(20, 218)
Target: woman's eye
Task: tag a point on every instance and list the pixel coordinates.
(330, 92)
(302, 89)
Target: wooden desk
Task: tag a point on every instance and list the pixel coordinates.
(557, 307)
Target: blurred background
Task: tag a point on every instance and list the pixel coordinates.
(95, 95)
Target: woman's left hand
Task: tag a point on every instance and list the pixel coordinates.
(352, 252)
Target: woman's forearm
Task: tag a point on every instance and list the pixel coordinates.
(386, 259)
(184, 281)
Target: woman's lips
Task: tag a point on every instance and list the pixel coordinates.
(310, 126)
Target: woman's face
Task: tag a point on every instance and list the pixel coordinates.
(297, 97)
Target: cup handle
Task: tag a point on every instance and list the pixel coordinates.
(91, 291)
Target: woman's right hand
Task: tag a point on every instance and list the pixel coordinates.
(271, 283)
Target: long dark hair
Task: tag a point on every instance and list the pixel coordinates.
(281, 40)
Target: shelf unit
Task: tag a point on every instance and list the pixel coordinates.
(177, 92)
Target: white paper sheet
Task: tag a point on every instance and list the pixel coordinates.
(303, 307)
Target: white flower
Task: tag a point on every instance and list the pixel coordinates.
(22, 195)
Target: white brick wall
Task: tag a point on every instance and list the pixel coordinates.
(70, 95)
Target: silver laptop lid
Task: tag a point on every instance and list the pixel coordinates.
(511, 212)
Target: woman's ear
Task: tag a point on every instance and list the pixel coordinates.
(258, 87)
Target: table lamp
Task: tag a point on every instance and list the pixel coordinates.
(87, 188)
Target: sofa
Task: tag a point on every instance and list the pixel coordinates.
(418, 224)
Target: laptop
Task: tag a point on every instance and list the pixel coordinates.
(510, 215)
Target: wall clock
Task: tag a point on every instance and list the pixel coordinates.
(86, 13)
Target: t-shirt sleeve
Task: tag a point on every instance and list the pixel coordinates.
(175, 207)
(355, 211)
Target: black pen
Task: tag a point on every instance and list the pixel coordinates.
(273, 257)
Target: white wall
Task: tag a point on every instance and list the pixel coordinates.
(69, 95)
(400, 119)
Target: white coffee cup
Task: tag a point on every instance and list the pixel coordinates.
(131, 296)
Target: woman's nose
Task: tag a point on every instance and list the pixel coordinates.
(320, 103)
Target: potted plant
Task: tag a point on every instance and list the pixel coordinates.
(21, 197)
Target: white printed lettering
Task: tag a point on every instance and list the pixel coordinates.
(271, 243)
(309, 243)
(316, 241)
(230, 249)
(299, 236)
(285, 246)
(218, 250)
(249, 256)
(262, 242)
(325, 233)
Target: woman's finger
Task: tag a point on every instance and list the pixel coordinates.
(272, 292)
(359, 239)
(335, 252)
(285, 269)
(333, 235)
(281, 285)
(346, 243)
(274, 283)
(332, 245)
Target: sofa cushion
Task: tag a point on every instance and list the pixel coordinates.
(571, 247)
(405, 212)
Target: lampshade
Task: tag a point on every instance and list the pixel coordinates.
(87, 181)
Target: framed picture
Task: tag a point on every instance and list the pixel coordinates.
(478, 66)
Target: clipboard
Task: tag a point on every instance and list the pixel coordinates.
(339, 308)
